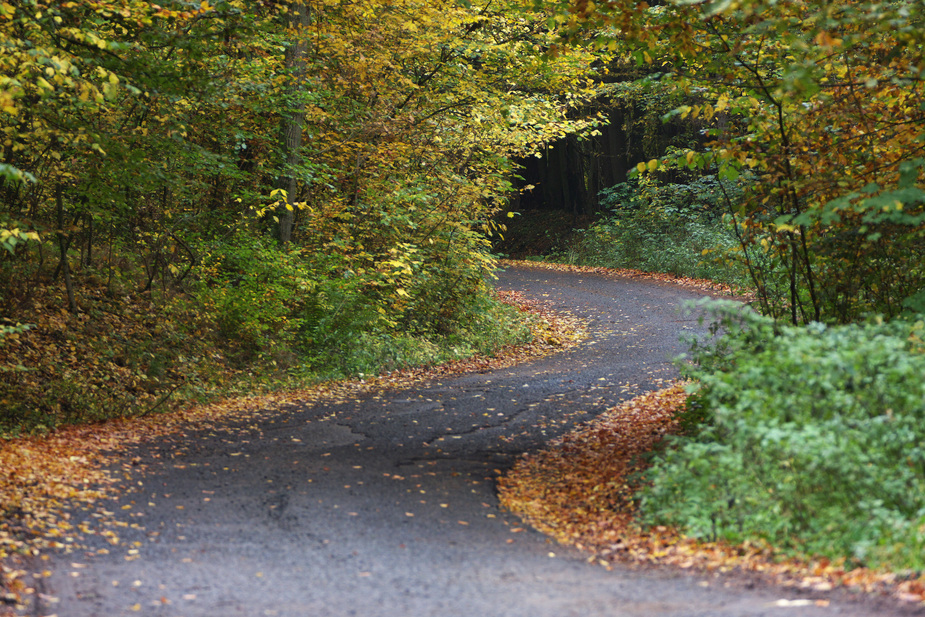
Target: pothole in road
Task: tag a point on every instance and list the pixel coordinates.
(324, 434)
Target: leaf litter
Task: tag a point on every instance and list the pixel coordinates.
(580, 490)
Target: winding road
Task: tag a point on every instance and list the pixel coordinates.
(385, 505)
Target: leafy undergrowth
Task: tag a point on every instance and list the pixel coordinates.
(126, 354)
(76, 466)
(580, 490)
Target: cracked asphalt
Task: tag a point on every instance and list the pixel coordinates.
(385, 505)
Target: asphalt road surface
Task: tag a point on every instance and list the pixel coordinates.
(386, 506)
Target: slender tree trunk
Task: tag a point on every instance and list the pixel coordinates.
(63, 244)
(293, 117)
(616, 160)
(89, 240)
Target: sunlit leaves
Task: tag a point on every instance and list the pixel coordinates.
(10, 238)
(417, 108)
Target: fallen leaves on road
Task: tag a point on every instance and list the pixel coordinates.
(76, 466)
(684, 281)
(580, 491)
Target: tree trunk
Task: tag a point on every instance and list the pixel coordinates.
(293, 117)
(64, 242)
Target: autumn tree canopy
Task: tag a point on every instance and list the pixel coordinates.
(152, 122)
(285, 177)
(823, 105)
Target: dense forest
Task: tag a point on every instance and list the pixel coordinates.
(203, 199)
(282, 190)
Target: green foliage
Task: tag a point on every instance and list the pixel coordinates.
(809, 438)
(350, 349)
(670, 227)
(10, 239)
(254, 292)
(823, 103)
(151, 152)
(7, 330)
(300, 312)
(254, 317)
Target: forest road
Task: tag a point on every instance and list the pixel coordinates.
(385, 506)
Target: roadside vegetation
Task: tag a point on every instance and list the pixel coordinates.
(204, 199)
(585, 488)
(130, 354)
(800, 440)
(663, 227)
(808, 439)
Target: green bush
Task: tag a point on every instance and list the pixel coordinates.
(283, 311)
(344, 346)
(811, 439)
(675, 228)
(255, 294)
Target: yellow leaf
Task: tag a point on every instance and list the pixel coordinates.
(641, 167)
(653, 164)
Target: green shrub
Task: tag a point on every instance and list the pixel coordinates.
(255, 294)
(675, 228)
(811, 438)
(361, 345)
(281, 310)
